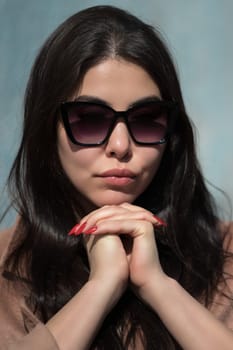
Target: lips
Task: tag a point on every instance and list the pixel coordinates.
(118, 173)
(118, 177)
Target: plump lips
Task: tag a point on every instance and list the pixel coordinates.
(118, 173)
(118, 177)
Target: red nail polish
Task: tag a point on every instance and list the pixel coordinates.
(73, 230)
(160, 221)
(90, 230)
(80, 229)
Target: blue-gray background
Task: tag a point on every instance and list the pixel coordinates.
(200, 36)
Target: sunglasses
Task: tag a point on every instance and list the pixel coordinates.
(91, 124)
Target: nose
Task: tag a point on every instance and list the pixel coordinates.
(119, 144)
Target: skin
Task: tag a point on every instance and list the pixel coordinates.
(113, 265)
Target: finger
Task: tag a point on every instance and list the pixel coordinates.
(121, 212)
(103, 213)
(94, 212)
(131, 227)
(156, 219)
(108, 210)
(119, 216)
(113, 210)
(131, 207)
(86, 221)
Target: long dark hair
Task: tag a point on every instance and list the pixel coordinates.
(55, 265)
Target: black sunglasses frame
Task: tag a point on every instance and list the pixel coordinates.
(170, 106)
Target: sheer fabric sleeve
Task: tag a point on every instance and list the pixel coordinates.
(38, 339)
(20, 329)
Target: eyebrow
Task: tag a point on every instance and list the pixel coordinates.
(95, 99)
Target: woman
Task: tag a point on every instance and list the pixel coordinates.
(108, 149)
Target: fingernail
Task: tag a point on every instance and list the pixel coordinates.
(73, 230)
(160, 221)
(90, 230)
(80, 229)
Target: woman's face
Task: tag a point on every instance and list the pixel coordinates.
(120, 170)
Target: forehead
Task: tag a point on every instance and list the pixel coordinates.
(118, 82)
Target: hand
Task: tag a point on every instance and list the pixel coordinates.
(124, 233)
(107, 260)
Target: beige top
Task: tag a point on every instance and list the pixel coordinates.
(15, 317)
(20, 329)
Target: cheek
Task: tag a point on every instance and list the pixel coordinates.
(148, 162)
(73, 158)
(152, 158)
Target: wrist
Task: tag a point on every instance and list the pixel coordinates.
(108, 289)
(155, 289)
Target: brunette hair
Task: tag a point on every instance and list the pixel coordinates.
(190, 247)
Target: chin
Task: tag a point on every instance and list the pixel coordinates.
(114, 198)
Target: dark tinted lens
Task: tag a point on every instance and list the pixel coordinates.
(148, 123)
(89, 123)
